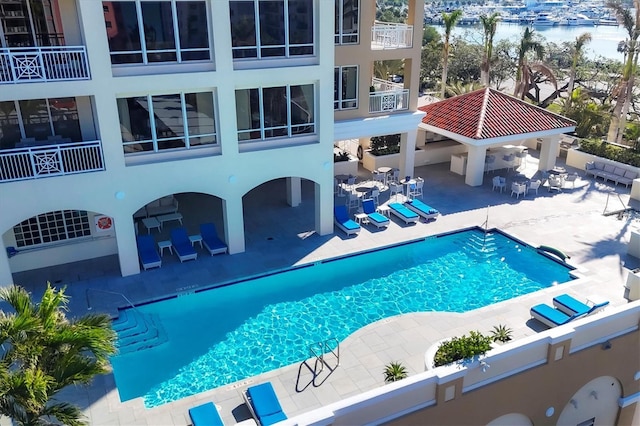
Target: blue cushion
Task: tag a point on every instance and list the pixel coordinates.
(205, 415)
(422, 206)
(377, 217)
(350, 225)
(264, 400)
(273, 419)
(571, 304)
(553, 315)
(403, 210)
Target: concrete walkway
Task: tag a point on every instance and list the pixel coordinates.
(571, 220)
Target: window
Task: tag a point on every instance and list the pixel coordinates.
(275, 112)
(157, 31)
(345, 87)
(39, 119)
(271, 28)
(52, 227)
(346, 23)
(163, 122)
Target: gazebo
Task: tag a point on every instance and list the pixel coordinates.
(487, 118)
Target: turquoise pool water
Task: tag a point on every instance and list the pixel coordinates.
(200, 341)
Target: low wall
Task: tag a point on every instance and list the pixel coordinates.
(578, 159)
(346, 167)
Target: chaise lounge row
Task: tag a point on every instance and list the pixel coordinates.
(565, 309)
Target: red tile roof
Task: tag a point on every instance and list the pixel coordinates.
(488, 113)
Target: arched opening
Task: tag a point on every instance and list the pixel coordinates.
(595, 403)
(511, 419)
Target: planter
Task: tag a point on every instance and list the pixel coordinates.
(346, 167)
(372, 162)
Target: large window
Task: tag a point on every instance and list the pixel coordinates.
(275, 112)
(346, 23)
(161, 122)
(271, 28)
(52, 227)
(157, 31)
(345, 87)
(39, 120)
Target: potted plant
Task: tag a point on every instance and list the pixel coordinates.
(462, 348)
(394, 371)
(501, 333)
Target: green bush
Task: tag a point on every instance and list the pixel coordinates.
(610, 151)
(384, 145)
(342, 156)
(463, 347)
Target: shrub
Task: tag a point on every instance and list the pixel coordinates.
(501, 333)
(342, 156)
(610, 151)
(463, 347)
(394, 371)
(384, 145)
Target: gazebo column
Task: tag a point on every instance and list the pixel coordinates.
(549, 152)
(408, 152)
(475, 165)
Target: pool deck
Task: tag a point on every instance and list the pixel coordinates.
(571, 220)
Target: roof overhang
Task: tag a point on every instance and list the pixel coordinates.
(376, 126)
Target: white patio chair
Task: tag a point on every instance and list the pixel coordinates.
(572, 178)
(351, 183)
(499, 182)
(534, 185)
(375, 193)
(518, 189)
(394, 175)
(555, 183)
(395, 188)
(353, 201)
(489, 161)
(415, 190)
(510, 161)
(378, 178)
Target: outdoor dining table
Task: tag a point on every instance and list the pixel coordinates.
(384, 170)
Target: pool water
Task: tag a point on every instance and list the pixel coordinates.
(215, 337)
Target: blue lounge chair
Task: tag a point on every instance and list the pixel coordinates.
(342, 220)
(369, 208)
(550, 316)
(182, 245)
(422, 209)
(210, 239)
(263, 403)
(149, 257)
(571, 306)
(205, 415)
(400, 211)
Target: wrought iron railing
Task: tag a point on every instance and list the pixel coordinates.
(391, 100)
(391, 36)
(37, 64)
(50, 160)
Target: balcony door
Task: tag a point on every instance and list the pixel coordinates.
(29, 23)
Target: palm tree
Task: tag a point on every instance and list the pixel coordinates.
(449, 20)
(624, 90)
(577, 47)
(45, 352)
(489, 25)
(528, 43)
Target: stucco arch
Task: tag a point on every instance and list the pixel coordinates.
(598, 400)
(511, 419)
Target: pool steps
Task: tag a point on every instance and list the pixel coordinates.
(137, 331)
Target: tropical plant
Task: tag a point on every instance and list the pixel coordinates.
(340, 157)
(576, 53)
(632, 135)
(385, 145)
(464, 347)
(528, 43)
(44, 352)
(501, 333)
(449, 20)
(610, 151)
(460, 88)
(394, 371)
(624, 90)
(489, 26)
(591, 119)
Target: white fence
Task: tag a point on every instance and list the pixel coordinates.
(37, 64)
(391, 36)
(390, 100)
(50, 160)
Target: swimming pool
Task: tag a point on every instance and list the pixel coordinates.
(215, 337)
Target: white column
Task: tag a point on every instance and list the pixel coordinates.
(294, 191)
(324, 208)
(475, 165)
(126, 241)
(233, 216)
(549, 152)
(6, 279)
(408, 152)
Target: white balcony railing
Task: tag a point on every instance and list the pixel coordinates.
(391, 100)
(391, 36)
(384, 85)
(50, 160)
(37, 64)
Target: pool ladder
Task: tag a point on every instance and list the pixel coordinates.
(320, 350)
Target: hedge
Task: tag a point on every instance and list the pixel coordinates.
(611, 152)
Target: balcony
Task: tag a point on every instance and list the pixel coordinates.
(50, 160)
(388, 96)
(391, 36)
(40, 64)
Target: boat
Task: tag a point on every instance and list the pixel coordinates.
(544, 19)
(607, 21)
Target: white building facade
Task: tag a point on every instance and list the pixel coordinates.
(106, 106)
